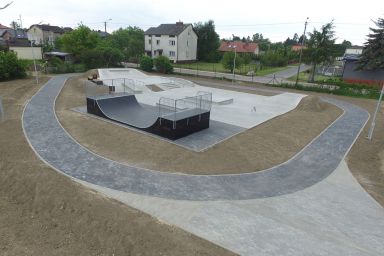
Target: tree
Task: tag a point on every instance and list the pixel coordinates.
(78, 41)
(129, 40)
(146, 63)
(264, 43)
(10, 66)
(227, 61)
(15, 25)
(101, 56)
(319, 47)
(208, 41)
(163, 65)
(339, 49)
(372, 57)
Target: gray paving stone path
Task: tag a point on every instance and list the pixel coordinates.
(57, 148)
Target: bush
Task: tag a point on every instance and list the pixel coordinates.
(11, 67)
(163, 65)
(227, 61)
(273, 59)
(101, 57)
(146, 63)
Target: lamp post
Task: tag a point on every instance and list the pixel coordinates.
(34, 62)
(234, 63)
(301, 51)
(105, 25)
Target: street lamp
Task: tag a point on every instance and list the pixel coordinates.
(301, 51)
(234, 63)
(105, 25)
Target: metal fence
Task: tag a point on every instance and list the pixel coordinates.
(200, 103)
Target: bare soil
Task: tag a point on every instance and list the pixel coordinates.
(259, 148)
(45, 213)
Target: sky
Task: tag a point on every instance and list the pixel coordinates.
(275, 19)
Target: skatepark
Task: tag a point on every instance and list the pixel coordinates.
(305, 198)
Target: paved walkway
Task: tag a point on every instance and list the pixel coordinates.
(301, 207)
(308, 167)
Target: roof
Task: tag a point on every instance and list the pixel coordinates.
(240, 47)
(54, 29)
(4, 27)
(168, 29)
(62, 54)
(19, 42)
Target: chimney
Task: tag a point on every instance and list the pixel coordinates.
(179, 23)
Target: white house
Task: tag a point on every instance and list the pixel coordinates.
(44, 33)
(176, 41)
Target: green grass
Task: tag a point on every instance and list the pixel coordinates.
(218, 67)
(303, 77)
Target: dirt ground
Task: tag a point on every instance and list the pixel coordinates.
(45, 213)
(259, 148)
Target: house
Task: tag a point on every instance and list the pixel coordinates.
(241, 47)
(351, 75)
(23, 48)
(176, 41)
(298, 47)
(41, 34)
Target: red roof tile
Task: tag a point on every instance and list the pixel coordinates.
(240, 47)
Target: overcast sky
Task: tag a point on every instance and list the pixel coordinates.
(275, 19)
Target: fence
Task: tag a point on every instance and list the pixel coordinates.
(200, 103)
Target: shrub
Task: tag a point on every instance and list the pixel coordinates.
(227, 61)
(273, 59)
(11, 67)
(146, 63)
(163, 65)
(101, 57)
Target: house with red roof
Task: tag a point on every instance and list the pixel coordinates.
(241, 47)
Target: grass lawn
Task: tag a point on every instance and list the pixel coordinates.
(218, 67)
(303, 77)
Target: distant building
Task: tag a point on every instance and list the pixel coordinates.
(176, 41)
(351, 75)
(241, 47)
(24, 50)
(298, 47)
(41, 34)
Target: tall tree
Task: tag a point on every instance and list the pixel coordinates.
(129, 40)
(320, 46)
(208, 41)
(78, 40)
(264, 43)
(372, 57)
(15, 25)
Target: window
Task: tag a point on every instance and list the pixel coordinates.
(157, 42)
(172, 42)
(150, 41)
(172, 54)
(187, 43)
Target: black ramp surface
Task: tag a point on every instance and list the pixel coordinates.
(126, 109)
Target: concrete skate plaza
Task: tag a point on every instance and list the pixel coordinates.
(130, 184)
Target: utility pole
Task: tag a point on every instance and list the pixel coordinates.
(105, 25)
(21, 23)
(301, 50)
(375, 114)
